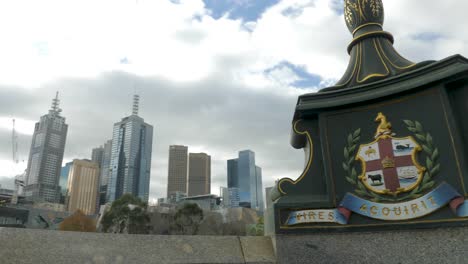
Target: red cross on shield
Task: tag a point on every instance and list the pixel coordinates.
(389, 166)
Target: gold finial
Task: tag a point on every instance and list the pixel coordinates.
(384, 128)
(359, 13)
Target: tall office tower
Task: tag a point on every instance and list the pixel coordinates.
(199, 175)
(105, 172)
(45, 156)
(63, 182)
(177, 170)
(244, 175)
(130, 163)
(82, 186)
(97, 154)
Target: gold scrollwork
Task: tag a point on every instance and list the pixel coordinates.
(309, 162)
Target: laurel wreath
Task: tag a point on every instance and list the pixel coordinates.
(432, 164)
(432, 155)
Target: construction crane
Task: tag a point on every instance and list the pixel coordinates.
(14, 144)
(19, 179)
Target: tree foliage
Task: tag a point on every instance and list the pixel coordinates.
(187, 219)
(256, 229)
(126, 215)
(78, 222)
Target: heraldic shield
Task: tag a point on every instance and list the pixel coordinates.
(389, 164)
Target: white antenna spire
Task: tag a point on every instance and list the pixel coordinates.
(55, 109)
(136, 102)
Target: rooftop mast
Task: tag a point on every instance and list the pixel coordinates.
(55, 109)
(136, 102)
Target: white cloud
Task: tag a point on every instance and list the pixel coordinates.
(196, 71)
(50, 39)
(283, 75)
(179, 42)
(22, 126)
(8, 170)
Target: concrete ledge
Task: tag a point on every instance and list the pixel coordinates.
(443, 245)
(257, 250)
(44, 246)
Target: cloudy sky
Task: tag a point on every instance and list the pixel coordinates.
(216, 75)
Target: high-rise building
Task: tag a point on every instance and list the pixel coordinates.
(130, 163)
(199, 174)
(104, 171)
(97, 154)
(63, 182)
(244, 175)
(230, 197)
(45, 156)
(177, 170)
(106, 159)
(82, 186)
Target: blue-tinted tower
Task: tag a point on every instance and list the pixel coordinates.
(63, 182)
(244, 175)
(130, 164)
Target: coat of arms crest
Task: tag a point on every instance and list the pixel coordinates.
(389, 163)
(392, 185)
(390, 167)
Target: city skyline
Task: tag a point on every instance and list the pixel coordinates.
(218, 83)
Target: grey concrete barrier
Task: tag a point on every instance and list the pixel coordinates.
(45, 246)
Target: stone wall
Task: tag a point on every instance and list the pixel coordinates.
(443, 245)
(46, 246)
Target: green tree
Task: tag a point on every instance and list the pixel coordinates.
(78, 222)
(256, 229)
(187, 219)
(126, 215)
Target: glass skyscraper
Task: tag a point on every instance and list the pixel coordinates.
(130, 163)
(63, 182)
(103, 160)
(247, 178)
(45, 156)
